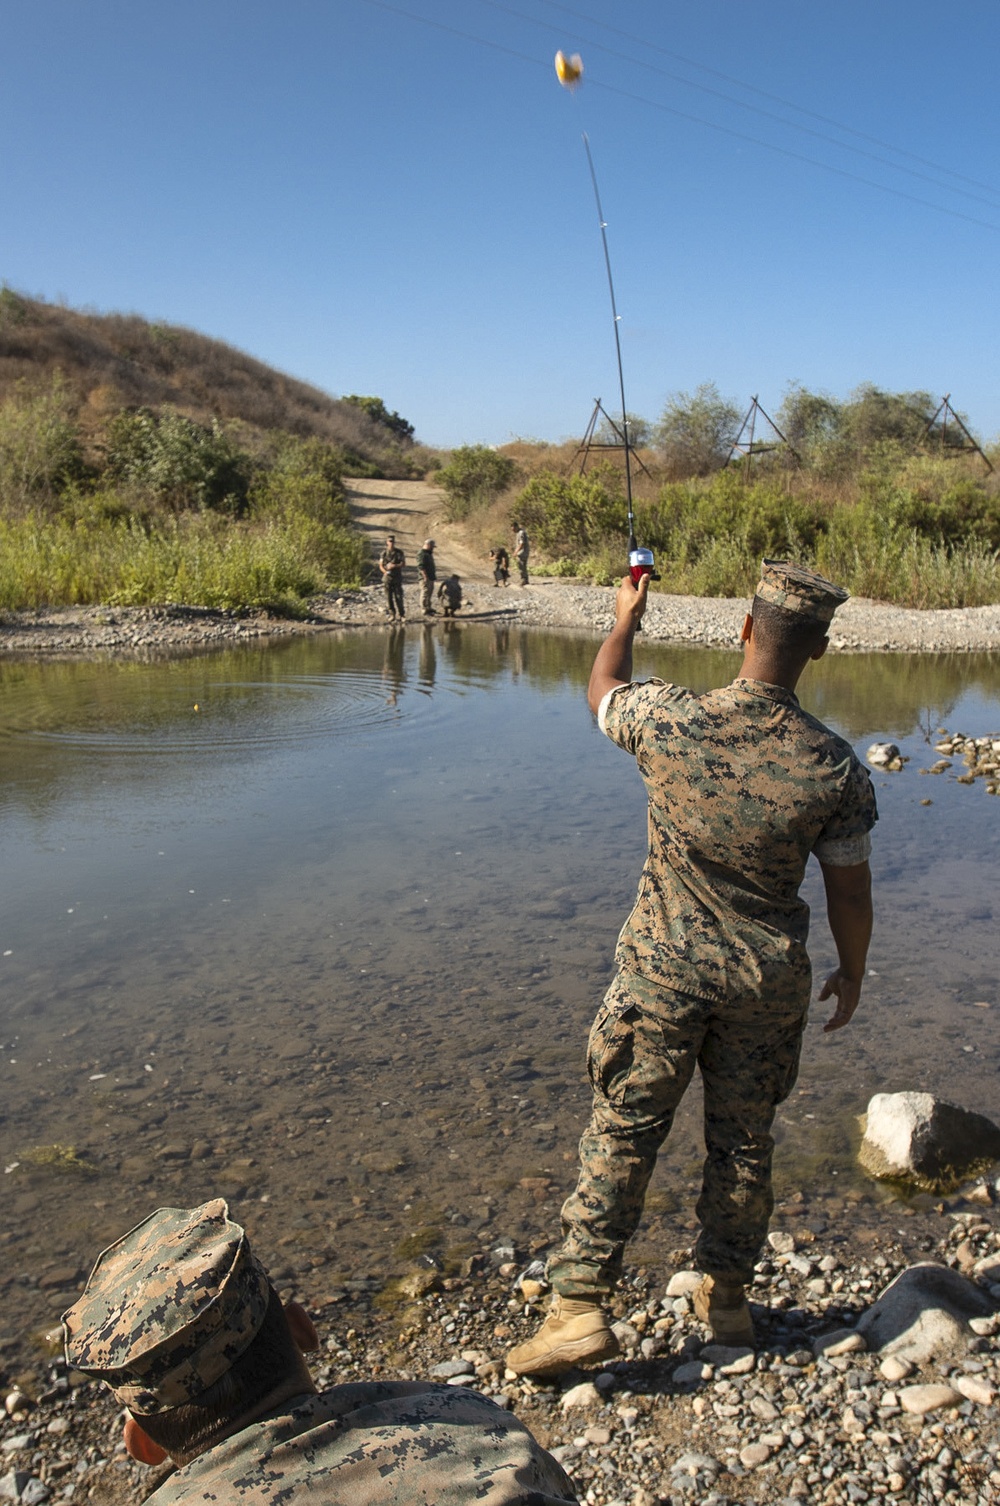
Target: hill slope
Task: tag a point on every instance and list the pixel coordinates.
(113, 361)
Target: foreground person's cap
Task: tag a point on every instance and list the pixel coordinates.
(799, 590)
(168, 1308)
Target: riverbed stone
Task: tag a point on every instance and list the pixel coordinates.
(928, 1398)
(918, 1138)
(923, 1314)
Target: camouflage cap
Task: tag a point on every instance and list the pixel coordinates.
(799, 590)
(168, 1308)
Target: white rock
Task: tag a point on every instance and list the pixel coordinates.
(923, 1399)
(754, 1454)
(584, 1395)
(893, 1368)
(919, 1138)
(974, 1389)
(683, 1283)
(879, 754)
(781, 1242)
(841, 1341)
(923, 1314)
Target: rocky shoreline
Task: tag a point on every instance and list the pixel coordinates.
(813, 1416)
(860, 626)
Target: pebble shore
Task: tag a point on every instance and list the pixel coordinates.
(860, 626)
(811, 1416)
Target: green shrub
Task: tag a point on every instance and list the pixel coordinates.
(473, 478)
(570, 515)
(185, 464)
(39, 450)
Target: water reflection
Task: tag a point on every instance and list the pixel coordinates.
(330, 944)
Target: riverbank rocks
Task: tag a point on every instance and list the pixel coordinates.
(918, 1138)
(924, 1314)
(885, 756)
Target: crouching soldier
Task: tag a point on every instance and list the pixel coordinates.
(450, 594)
(180, 1320)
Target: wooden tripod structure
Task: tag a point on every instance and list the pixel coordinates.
(966, 445)
(616, 445)
(752, 446)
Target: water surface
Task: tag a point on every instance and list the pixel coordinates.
(321, 925)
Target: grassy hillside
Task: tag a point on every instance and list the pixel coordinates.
(144, 463)
(110, 362)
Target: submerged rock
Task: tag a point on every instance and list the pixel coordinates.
(918, 1138)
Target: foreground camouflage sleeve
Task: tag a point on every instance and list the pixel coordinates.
(626, 709)
(855, 815)
(373, 1444)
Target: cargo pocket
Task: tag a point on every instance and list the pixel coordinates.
(611, 1051)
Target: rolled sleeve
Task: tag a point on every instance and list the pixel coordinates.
(844, 852)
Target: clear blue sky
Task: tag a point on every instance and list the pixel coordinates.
(394, 199)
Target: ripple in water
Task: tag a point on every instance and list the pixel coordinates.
(244, 715)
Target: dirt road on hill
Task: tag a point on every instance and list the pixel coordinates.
(413, 511)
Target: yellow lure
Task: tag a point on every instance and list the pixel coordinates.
(569, 71)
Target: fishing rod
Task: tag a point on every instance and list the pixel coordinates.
(640, 561)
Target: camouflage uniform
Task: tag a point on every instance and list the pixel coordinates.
(391, 562)
(428, 575)
(171, 1306)
(743, 785)
(450, 593)
(521, 551)
(394, 1443)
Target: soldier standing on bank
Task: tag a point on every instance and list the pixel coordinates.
(391, 562)
(180, 1320)
(521, 549)
(428, 575)
(712, 967)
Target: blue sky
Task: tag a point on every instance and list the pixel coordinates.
(394, 199)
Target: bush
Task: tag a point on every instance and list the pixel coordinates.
(185, 464)
(570, 515)
(39, 450)
(473, 478)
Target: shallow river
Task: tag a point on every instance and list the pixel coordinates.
(321, 926)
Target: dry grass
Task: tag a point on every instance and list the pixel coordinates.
(115, 361)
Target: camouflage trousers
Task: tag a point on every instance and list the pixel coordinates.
(644, 1046)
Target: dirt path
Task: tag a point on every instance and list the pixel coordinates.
(413, 511)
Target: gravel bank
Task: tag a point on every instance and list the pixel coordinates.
(860, 626)
(811, 1417)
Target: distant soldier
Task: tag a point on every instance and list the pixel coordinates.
(391, 562)
(501, 566)
(450, 593)
(180, 1320)
(428, 575)
(743, 785)
(521, 548)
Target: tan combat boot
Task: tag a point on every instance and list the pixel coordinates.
(723, 1306)
(576, 1332)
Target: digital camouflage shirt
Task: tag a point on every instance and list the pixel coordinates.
(743, 785)
(402, 1443)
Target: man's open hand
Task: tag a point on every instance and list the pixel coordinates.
(847, 992)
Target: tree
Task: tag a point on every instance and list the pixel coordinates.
(639, 431)
(379, 414)
(696, 432)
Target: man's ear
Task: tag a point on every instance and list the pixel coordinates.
(301, 1326)
(746, 629)
(139, 1444)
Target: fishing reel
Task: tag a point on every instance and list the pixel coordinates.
(640, 562)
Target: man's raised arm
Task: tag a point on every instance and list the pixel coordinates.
(613, 665)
